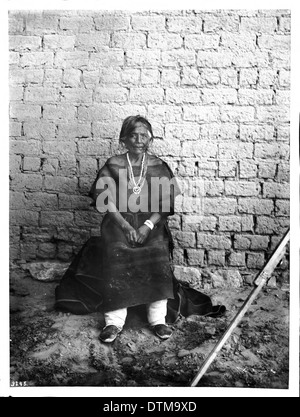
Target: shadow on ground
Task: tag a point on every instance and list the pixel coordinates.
(50, 348)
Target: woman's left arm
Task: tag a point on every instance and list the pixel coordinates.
(144, 230)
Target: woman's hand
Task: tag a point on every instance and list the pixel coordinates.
(142, 233)
(130, 234)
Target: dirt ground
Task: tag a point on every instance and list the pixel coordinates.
(50, 348)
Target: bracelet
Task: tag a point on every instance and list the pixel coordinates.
(149, 224)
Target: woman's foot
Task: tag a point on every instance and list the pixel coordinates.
(109, 333)
(162, 331)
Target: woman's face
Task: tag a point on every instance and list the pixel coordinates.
(139, 140)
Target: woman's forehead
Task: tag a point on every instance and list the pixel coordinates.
(140, 127)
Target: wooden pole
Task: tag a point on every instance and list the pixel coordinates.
(260, 281)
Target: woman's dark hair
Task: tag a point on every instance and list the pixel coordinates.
(129, 124)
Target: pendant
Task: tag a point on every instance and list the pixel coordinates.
(136, 190)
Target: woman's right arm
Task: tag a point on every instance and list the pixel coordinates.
(129, 232)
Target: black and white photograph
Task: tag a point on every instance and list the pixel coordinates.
(151, 158)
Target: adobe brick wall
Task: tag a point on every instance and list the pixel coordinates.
(214, 84)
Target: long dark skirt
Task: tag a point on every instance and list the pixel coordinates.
(109, 274)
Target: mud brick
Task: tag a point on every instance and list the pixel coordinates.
(71, 59)
(230, 223)
(236, 259)
(237, 151)
(283, 172)
(112, 22)
(201, 41)
(37, 59)
(185, 239)
(108, 95)
(184, 24)
(15, 163)
(22, 217)
(76, 95)
(213, 241)
(241, 188)
(258, 24)
(170, 77)
(277, 190)
(28, 250)
(16, 93)
(88, 166)
(71, 77)
(214, 23)
(208, 59)
(178, 58)
(40, 22)
(41, 94)
(73, 202)
(195, 257)
(164, 40)
(127, 40)
(149, 23)
(130, 76)
(22, 112)
(55, 42)
(214, 188)
(164, 113)
(22, 182)
(46, 250)
(53, 76)
(270, 114)
(31, 164)
(248, 77)
(255, 260)
(143, 58)
(255, 206)
(57, 218)
(146, 94)
(276, 42)
(15, 128)
(227, 168)
(59, 111)
(201, 114)
(216, 257)
(76, 24)
(282, 208)
(269, 225)
(61, 184)
(39, 129)
(92, 41)
(271, 150)
(253, 242)
(248, 169)
(219, 205)
(266, 170)
(194, 223)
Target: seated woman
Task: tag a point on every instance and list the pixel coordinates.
(129, 264)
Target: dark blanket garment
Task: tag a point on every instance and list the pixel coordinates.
(108, 273)
(82, 289)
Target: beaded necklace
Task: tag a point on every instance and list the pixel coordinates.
(137, 186)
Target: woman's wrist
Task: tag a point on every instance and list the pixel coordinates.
(126, 226)
(149, 224)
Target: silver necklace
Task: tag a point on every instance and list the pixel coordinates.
(137, 186)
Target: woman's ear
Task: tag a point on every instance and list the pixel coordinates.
(122, 142)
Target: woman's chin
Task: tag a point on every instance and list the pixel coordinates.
(136, 151)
